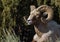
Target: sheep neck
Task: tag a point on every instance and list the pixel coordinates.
(40, 28)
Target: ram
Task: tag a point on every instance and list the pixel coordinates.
(44, 25)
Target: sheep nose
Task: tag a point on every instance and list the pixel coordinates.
(28, 20)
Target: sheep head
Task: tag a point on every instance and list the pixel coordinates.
(38, 14)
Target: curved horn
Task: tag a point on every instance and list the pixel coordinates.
(48, 10)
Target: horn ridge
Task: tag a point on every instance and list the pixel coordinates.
(46, 9)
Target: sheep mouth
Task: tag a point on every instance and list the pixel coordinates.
(29, 22)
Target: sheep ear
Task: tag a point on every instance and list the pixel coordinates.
(32, 7)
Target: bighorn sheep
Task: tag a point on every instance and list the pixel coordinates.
(45, 27)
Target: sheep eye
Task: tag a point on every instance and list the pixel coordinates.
(37, 15)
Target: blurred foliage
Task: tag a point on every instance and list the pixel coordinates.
(13, 27)
(7, 23)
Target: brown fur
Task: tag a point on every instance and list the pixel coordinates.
(42, 25)
(35, 16)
